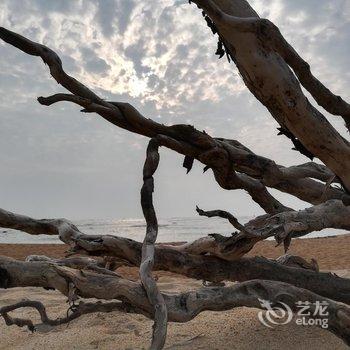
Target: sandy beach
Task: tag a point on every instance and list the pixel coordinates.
(235, 329)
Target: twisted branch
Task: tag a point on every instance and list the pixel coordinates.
(82, 308)
(223, 156)
(181, 307)
(147, 260)
(189, 260)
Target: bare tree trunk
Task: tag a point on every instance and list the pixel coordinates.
(268, 76)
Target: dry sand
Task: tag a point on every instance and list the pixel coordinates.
(235, 329)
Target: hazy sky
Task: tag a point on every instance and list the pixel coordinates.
(159, 56)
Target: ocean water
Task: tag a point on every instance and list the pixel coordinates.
(170, 230)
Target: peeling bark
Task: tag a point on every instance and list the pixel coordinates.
(262, 56)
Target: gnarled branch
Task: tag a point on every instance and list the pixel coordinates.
(190, 261)
(217, 154)
(82, 308)
(147, 260)
(269, 78)
(181, 307)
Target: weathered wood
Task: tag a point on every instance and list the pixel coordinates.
(78, 262)
(263, 57)
(147, 259)
(297, 261)
(188, 260)
(274, 73)
(181, 307)
(282, 226)
(223, 156)
(82, 308)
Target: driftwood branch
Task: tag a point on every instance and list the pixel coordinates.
(282, 226)
(61, 227)
(182, 307)
(272, 36)
(214, 258)
(76, 311)
(189, 260)
(147, 260)
(297, 261)
(222, 214)
(234, 167)
(277, 87)
(96, 264)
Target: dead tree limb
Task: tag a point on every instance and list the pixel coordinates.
(297, 261)
(211, 268)
(222, 13)
(220, 155)
(282, 226)
(269, 78)
(182, 307)
(264, 59)
(78, 262)
(222, 214)
(82, 308)
(147, 260)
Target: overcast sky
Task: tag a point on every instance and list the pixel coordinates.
(159, 56)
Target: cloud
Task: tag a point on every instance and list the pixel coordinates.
(114, 15)
(92, 62)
